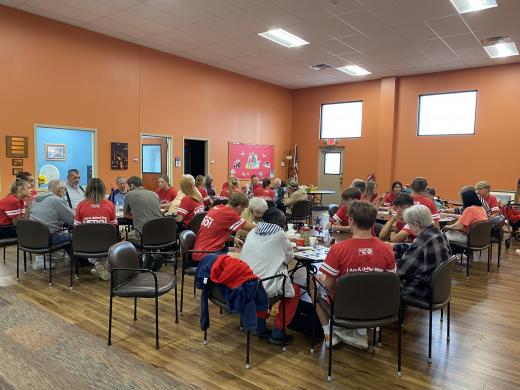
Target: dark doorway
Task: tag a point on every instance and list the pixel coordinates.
(195, 154)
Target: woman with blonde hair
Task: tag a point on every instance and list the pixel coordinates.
(232, 186)
(191, 204)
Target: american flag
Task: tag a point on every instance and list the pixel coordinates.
(295, 163)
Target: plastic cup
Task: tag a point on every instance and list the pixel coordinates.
(313, 241)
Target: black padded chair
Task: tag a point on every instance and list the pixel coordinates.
(497, 237)
(5, 242)
(438, 297)
(35, 238)
(186, 243)
(362, 300)
(91, 240)
(270, 203)
(479, 238)
(129, 280)
(159, 235)
(301, 211)
(195, 222)
(333, 209)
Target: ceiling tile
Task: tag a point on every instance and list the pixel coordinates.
(59, 9)
(462, 41)
(306, 10)
(363, 20)
(432, 46)
(140, 22)
(157, 15)
(449, 25)
(181, 9)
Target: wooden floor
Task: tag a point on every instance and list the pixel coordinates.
(484, 352)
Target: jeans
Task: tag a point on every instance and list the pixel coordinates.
(60, 238)
(7, 231)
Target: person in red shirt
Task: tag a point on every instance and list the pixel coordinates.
(264, 191)
(165, 192)
(12, 207)
(199, 183)
(390, 197)
(362, 253)
(29, 178)
(96, 209)
(396, 225)
(489, 202)
(339, 221)
(229, 187)
(253, 185)
(191, 204)
(219, 223)
(419, 185)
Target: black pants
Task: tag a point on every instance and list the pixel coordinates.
(7, 231)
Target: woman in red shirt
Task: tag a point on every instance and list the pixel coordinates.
(199, 183)
(191, 204)
(264, 192)
(96, 209)
(165, 192)
(28, 177)
(232, 186)
(388, 201)
(12, 207)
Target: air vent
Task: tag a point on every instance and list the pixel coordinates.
(319, 67)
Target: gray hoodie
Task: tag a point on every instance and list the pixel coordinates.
(51, 210)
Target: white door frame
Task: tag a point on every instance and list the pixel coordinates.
(169, 152)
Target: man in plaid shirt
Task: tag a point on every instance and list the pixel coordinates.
(429, 249)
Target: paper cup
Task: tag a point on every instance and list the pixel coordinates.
(313, 241)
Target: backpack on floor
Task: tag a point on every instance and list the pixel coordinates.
(302, 321)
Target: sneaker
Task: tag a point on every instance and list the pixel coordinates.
(335, 339)
(37, 263)
(265, 334)
(518, 252)
(351, 337)
(279, 341)
(102, 271)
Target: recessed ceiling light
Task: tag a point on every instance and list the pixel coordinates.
(283, 38)
(354, 70)
(501, 48)
(463, 6)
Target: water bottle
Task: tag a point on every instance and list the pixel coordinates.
(119, 207)
(326, 236)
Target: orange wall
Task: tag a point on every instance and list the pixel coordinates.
(57, 74)
(390, 118)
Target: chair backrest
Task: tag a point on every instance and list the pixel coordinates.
(195, 222)
(218, 201)
(270, 203)
(479, 234)
(93, 237)
(186, 241)
(333, 209)
(159, 231)
(122, 255)
(367, 296)
(377, 228)
(441, 280)
(32, 234)
(301, 209)
(215, 295)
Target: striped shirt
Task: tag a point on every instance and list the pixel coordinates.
(11, 208)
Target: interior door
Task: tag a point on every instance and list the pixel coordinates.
(154, 152)
(331, 174)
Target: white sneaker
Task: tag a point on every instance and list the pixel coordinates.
(351, 337)
(37, 263)
(335, 339)
(102, 271)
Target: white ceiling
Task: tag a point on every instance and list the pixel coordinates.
(387, 37)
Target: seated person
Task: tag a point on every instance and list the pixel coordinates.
(219, 223)
(395, 229)
(428, 250)
(96, 209)
(419, 185)
(295, 194)
(74, 192)
(264, 191)
(370, 194)
(50, 209)
(174, 205)
(12, 207)
(362, 253)
(117, 196)
(253, 214)
(191, 204)
(361, 185)
(489, 202)
(278, 192)
(388, 201)
(473, 212)
(456, 212)
(29, 178)
(268, 252)
(141, 205)
(339, 221)
(199, 183)
(231, 186)
(432, 194)
(208, 185)
(252, 186)
(165, 192)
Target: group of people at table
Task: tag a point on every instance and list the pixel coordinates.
(258, 232)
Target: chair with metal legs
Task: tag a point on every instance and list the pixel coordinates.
(5, 242)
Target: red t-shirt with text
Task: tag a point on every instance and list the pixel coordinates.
(11, 208)
(89, 212)
(341, 216)
(188, 208)
(264, 193)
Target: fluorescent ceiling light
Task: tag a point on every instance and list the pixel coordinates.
(354, 70)
(283, 38)
(501, 49)
(463, 6)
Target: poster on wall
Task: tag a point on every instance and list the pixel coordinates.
(119, 155)
(246, 160)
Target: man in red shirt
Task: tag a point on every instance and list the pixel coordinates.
(362, 253)
(12, 207)
(339, 221)
(219, 223)
(419, 185)
(264, 191)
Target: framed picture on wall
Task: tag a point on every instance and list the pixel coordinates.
(17, 162)
(119, 155)
(55, 152)
(16, 171)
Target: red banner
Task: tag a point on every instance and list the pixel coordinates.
(246, 160)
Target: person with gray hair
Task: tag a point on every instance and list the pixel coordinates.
(50, 209)
(253, 214)
(429, 249)
(117, 196)
(74, 192)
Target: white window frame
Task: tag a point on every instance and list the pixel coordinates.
(325, 163)
(344, 137)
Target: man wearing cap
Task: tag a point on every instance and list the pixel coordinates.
(294, 194)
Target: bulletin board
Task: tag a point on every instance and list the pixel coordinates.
(246, 160)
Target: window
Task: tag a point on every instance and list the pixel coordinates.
(151, 158)
(332, 163)
(447, 113)
(341, 120)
